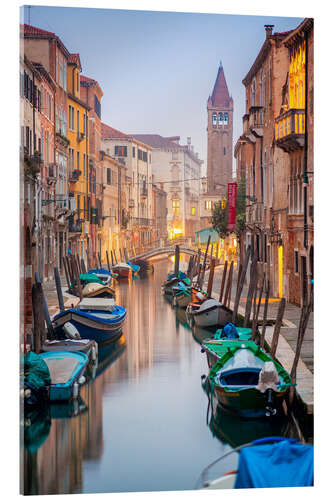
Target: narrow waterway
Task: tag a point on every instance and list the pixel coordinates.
(141, 423)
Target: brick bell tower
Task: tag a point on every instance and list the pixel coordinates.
(220, 108)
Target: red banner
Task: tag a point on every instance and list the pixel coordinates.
(232, 196)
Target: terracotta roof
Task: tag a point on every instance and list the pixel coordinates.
(32, 30)
(157, 141)
(75, 59)
(85, 79)
(220, 96)
(108, 132)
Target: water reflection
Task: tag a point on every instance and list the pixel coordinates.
(144, 412)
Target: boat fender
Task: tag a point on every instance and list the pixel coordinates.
(75, 390)
(203, 377)
(82, 380)
(70, 331)
(203, 349)
(76, 407)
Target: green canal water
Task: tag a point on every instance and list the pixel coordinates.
(141, 423)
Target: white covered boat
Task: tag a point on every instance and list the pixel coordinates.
(210, 313)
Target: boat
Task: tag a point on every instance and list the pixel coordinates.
(95, 319)
(173, 280)
(246, 380)
(222, 339)
(89, 347)
(145, 266)
(98, 290)
(123, 270)
(36, 380)
(66, 371)
(135, 267)
(103, 274)
(270, 462)
(182, 295)
(211, 312)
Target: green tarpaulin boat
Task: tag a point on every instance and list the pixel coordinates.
(246, 379)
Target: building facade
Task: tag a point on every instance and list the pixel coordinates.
(177, 170)
(136, 156)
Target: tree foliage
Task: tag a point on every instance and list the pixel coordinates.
(219, 218)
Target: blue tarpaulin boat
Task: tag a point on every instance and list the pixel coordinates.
(271, 462)
(95, 319)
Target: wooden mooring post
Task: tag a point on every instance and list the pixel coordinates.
(39, 318)
(256, 309)
(224, 275)
(59, 291)
(277, 327)
(177, 255)
(99, 260)
(47, 318)
(83, 266)
(228, 285)
(252, 287)
(202, 272)
(77, 277)
(211, 277)
(241, 284)
(108, 262)
(64, 261)
(264, 320)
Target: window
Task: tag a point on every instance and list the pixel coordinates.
(174, 155)
(223, 204)
(176, 206)
(144, 156)
(253, 92)
(208, 204)
(220, 118)
(77, 81)
(140, 154)
(108, 175)
(120, 150)
(226, 118)
(133, 151)
(224, 151)
(97, 107)
(296, 261)
(214, 118)
(78, 160)
(193, 210)
(78, 122)
(84, 125)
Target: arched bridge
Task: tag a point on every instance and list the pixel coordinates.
(167, 248)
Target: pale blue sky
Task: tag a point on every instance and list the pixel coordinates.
(157, 69)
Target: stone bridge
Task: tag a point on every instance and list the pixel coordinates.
(168, 249)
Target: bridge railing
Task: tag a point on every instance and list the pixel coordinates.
(160, 243)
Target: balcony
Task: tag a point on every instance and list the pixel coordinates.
(140, 221)
(74, 175)
(255, 213)
(290, 130)
(256, 119)
(74, 226)
(52, 172)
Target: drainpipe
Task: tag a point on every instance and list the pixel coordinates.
(305, 164)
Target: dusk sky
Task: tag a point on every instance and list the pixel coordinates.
(157, 69)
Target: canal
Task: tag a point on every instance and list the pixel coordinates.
(141, 423)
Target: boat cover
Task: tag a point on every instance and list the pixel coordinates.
(64, 365)
(96, 304)
(101, 270)
(268, 377)
(277, 465)
(135, 267)
(36, 371)
(208, 304)
(90, 278)
(91, 288)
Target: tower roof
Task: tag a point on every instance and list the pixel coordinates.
(220, 96)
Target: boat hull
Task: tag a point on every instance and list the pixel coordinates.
(88, 327)
(248, 403)
(215, 316)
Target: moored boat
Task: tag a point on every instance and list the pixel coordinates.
(211, 313)
(123, 270)
(246, 380)
(216, 346)
(66, 372)
(270, 462)
(95, 319)
(98, 290)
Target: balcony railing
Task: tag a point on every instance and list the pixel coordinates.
(290, 130)
(74, 226)
(140, 221)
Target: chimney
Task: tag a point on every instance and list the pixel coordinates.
(269, 30)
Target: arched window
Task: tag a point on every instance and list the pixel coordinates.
(220, 118)
(226, 118)
(214, 119)
(253, 93)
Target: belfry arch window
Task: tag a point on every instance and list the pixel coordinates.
(226, 118)
(214, 119)
(220, 118)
